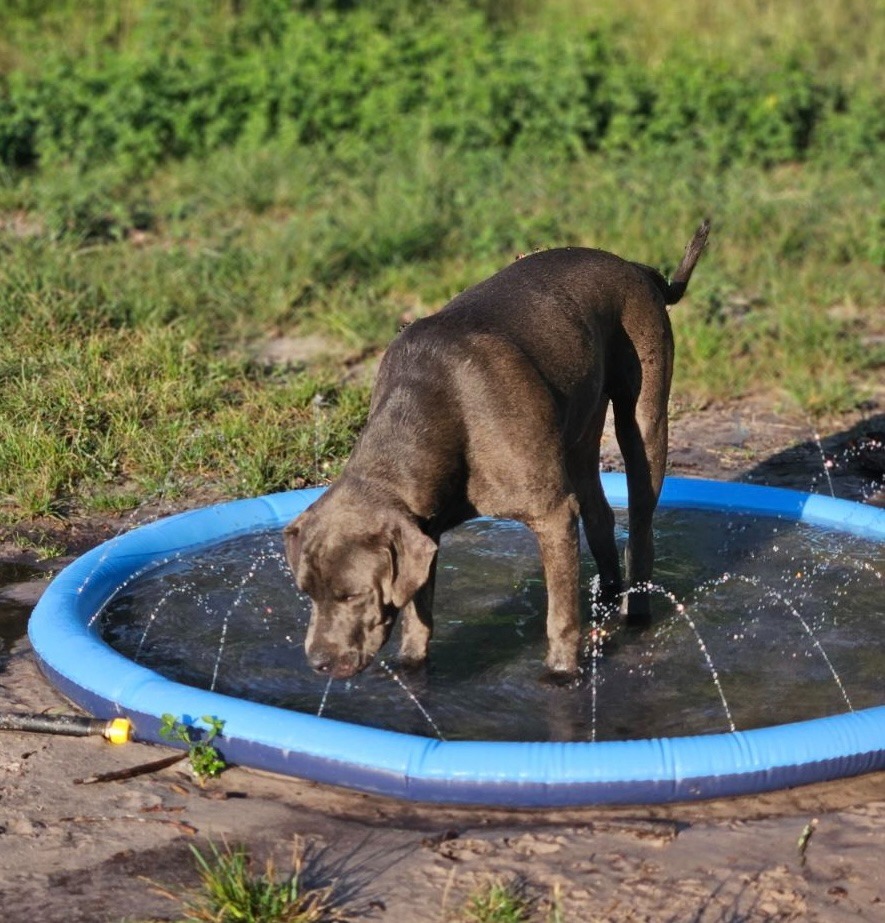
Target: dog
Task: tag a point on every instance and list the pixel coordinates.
(495, 406)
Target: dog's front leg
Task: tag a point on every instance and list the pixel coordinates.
(557, 535)
(417, 623)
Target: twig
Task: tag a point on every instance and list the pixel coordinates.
(119, 775)
(181, 825)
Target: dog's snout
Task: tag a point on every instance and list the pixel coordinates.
(333, 663)
(320, 660)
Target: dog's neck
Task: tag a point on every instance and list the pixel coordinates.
(401, 466)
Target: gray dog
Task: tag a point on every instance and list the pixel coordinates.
(495, 406)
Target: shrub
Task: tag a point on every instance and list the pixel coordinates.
(184, 84)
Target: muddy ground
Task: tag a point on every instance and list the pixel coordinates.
(113, 851)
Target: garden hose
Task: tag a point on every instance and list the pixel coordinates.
(115, 730)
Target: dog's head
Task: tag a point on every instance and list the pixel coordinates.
(359, 569)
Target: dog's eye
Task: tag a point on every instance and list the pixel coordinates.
(350, 597)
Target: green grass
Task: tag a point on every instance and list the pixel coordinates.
(498, 901)
(843, 38)
(130, 369)
(231, 891)
(135, 296)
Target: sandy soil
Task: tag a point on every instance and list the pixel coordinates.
(116, 850)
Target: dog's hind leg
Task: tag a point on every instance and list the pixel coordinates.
(596, 514)
(641, 429)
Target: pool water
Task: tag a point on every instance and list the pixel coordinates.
(795, 631)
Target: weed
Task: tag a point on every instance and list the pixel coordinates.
(205, 761)
(231, 891)
(43, 548)
(499, 901)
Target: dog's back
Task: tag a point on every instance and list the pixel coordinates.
(557, 308)
(564, 309)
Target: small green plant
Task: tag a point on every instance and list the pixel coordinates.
(230, 890)
(499, 902)
(205, 761)
(44, 547)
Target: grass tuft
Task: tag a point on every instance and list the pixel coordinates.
(499, 901)
(231, 891)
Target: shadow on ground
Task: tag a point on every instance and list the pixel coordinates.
(849, 464)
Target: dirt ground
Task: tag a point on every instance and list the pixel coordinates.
(117, 850)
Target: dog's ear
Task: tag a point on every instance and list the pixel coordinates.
(293, 536)
(411, 555)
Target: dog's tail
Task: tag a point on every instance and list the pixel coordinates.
(679, 283)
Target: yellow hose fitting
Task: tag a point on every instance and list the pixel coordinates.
(118, 731)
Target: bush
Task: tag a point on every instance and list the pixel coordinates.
(184, 84)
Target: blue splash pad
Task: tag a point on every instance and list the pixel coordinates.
(73, 655)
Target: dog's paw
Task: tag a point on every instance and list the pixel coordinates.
(563, 649)
(560, 678)
(411, 664)
(561, 665)
(636, 610)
